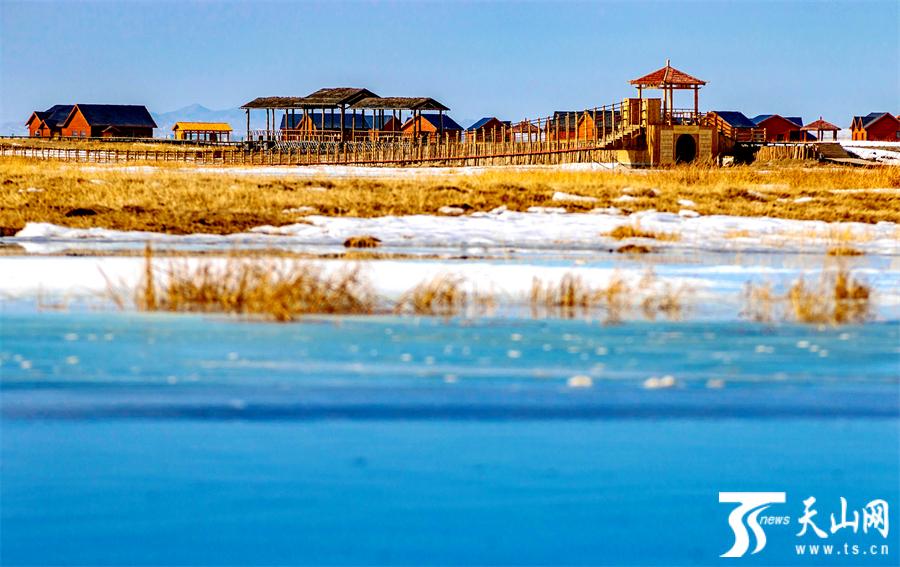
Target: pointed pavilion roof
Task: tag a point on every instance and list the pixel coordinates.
(667, 76)
(820, 125)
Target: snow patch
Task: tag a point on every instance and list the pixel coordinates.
(560, 196)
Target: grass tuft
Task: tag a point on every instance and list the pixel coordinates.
(275, 289)
(844, 250)
(634, 249)
(836, 299)
(366, 241)
(445, 296)
(572, 297)
(624, 231)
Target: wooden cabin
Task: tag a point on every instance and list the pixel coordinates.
(563, 125)
(876, 127)
(311, 124)
(37, 125)
(590, 124)
(735, 126)
(433, 128)
(781, 129)
(48, 123)
(202, 131)
(108, 121)
(391, 125)
(389, 111)
(489, 129)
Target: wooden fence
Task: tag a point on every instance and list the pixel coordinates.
(788, 151)
(346, 153)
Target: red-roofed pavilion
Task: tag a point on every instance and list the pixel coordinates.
(820, 127)
(669, 79)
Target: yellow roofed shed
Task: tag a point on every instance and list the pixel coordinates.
(202, 131)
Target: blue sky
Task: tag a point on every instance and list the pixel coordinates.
(510, 59)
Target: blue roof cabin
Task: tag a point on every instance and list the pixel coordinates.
(433, 127)
(489, 129)
(48, 123)
(302, 126)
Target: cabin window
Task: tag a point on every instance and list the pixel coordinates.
(898, 134)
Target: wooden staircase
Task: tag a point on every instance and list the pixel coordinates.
(831, 150)
(620, 138)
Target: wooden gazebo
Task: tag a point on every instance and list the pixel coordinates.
(669, 79)
(396, 105)
(335, 110)
(330, 99)
(820, 127)
(202, 131)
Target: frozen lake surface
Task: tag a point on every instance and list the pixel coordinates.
(159, 439)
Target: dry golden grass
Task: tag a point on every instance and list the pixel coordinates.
(272, 288)
(634, 249)
(572, 297)
(182, 199)
(366, 241)
(94, 144)
(283, 289)
(844, 250)
(445, 295)
(624, 231)
(836, 299)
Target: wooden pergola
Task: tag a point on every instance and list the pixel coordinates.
(396, 105)
(330, 99)
(343, 102)
(669, 79)
(820, 127)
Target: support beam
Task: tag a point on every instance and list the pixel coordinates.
(696, 102)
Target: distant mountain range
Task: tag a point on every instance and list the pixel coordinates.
(16, 128)
(236, 117)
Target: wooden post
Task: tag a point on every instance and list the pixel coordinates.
(696, 102)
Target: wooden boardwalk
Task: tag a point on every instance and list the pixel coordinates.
(348, 153)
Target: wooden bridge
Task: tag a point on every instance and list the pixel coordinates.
(635, 131)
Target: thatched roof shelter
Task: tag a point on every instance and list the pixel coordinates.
(669, 79)
(322, 98)
(399, 103)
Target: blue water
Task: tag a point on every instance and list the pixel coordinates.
(136, 439)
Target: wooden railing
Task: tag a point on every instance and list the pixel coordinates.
(681, 116)
(340, 153)
(609, 124)
(745, 135)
